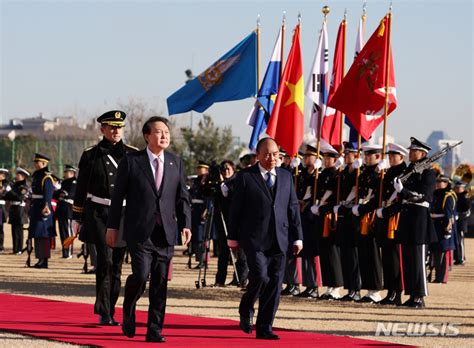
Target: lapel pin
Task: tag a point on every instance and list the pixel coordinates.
(171, 163)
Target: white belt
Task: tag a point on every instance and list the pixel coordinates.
(21, 204)
(103, 201)
(37, 196)
(421, 204)
(435, 216)
(2, 202)
(197, 201)
(70, 201)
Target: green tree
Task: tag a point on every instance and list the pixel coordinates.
(206, 142)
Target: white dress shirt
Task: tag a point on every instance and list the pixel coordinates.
(152, 157)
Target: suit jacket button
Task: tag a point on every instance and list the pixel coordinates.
(111, 173)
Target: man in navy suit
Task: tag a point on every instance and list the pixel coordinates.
(264, 219)
(153, 183)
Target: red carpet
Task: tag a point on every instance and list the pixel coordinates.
(74, 323)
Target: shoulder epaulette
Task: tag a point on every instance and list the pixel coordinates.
(47, 176)
(132, 147)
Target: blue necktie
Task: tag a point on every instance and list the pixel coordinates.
(269, 180)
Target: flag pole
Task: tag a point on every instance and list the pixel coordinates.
(338, 195)
(258, 51)
(296, 154)
(325, 10)
(387, 75)
(359, 137)
(283, 22)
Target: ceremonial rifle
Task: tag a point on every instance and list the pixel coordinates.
(425, 163)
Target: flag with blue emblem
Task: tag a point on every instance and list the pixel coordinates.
(262, 109)
(231, 77)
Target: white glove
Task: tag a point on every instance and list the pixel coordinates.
(279, 162)
(355, 210)
(380, 213)
(336, 208)
(75, 225)
(318, 163)
(295, 162)
(315, 209)
(8, 188)
(224, 190)
(447, 236)
(339, 162)
(57, 186)
(383, 164)
(357, 163)
(397, 184)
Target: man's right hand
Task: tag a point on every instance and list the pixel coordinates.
(111, 237)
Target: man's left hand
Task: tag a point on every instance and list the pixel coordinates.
(186, 234)
(297, 249)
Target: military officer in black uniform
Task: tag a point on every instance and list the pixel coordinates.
(415, 227)
(310, 271)
(370, 260)
(17, 215)
(64, 207)
(4, 188)
(463, 208)
(95, 186)
(386, 225)
(326, 196)
(41, 227)
(198, 210)
(443, 213)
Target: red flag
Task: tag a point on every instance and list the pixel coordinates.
(286, 124)
(361, 95)
(331, 127)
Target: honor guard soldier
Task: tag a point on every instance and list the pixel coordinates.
(64, 207)
(463, 208)
(291, 277)
(443, 213)
(95, 186)
(41, 227)
(326, 195)
(198, 210)
(386, 225)
(17, 215)
(415, 227)
(346, 235)
(4, 188)
(370, 261)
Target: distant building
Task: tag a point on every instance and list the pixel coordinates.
(41, 127)
(450, 161)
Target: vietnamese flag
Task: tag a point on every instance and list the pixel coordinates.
(286, 124)
(332, 121)
(361, 95)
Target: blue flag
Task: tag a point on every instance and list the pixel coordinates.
(231, 77)
(263, 107)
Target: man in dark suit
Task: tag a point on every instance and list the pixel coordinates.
(153, 183)
(264, 219)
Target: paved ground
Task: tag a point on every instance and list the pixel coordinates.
(447, 303)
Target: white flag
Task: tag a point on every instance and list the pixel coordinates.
(317, 88)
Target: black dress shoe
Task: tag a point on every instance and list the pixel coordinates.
(393, 298)
(303, 293)
(267, 336)
(105, 320)
(418, 302)
(113, 322)
(246, 324)
(157, 338)
(287, 291)
(353, 295)
(128, 325)
(313, 293)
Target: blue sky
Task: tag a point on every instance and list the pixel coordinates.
(83, 57)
